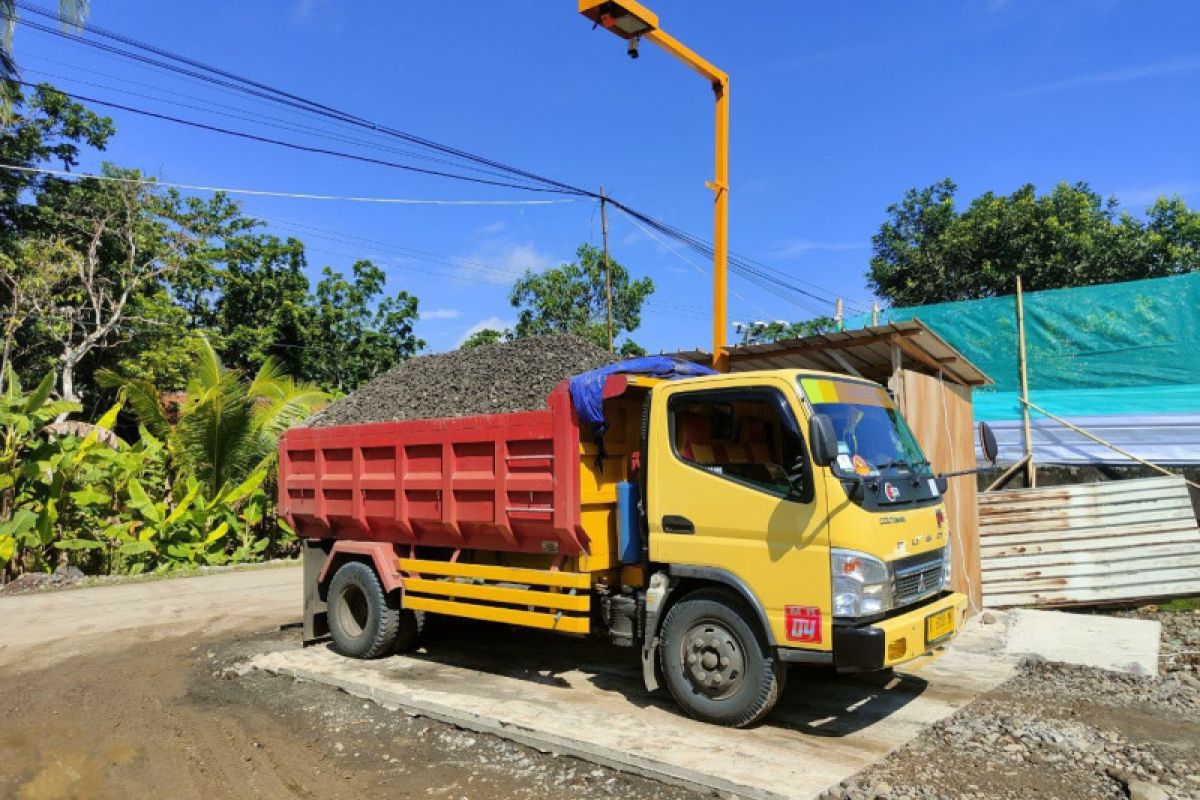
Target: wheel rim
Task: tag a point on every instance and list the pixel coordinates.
(714, 659)
(353, 612)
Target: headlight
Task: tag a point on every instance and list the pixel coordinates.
(861, 584)
(947, 564)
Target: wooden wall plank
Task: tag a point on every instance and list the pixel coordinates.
(942, 417)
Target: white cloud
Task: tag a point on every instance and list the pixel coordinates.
(503, 261)
(490, 323)
(304, 8)
(1174, 67)
(491, 229)
(799, 247)
(441, 313)
(1148, 194)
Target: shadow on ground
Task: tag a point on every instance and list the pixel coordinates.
(817, 702)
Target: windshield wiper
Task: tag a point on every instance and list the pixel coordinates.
(901, 462)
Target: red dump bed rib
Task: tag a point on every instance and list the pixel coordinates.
(497, 482)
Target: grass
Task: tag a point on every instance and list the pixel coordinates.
(1181, 604)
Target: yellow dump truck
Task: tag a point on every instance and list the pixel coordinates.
(725, 526)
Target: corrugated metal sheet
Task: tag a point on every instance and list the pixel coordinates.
(1093, 543)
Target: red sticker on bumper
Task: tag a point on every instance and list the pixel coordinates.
(803, 623)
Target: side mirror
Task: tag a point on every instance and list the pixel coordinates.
(943, 483)
(823, 439)
(987, 443)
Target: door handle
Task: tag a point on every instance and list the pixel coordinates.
(673, 523)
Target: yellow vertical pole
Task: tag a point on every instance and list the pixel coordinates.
(720, 187)
(1030, 468)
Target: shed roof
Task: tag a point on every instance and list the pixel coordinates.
(865, 351)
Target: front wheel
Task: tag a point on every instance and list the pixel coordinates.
(715, 660)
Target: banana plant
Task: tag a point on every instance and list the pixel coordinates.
(28, 466)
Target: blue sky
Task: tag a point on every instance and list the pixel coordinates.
(837, 109)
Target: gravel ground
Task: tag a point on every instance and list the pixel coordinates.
(492, 379)
(1179, 654)
(1058, 731)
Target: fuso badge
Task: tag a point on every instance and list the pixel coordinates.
(891, 492)
(803, 623)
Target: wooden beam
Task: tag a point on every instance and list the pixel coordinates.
(1030, 467)
(823, 344)
(918, 354)
(843, 362)
(1006, 476)
(1109, 445)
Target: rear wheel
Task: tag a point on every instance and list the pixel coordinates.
(363, 620)
(716, 662)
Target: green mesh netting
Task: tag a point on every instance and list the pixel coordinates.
(1123, 348)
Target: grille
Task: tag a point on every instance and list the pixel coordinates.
(917, 577)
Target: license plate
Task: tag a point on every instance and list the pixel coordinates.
(939, 625)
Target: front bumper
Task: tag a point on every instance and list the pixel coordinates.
(896, 639)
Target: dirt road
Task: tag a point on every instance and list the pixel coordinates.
(48, 627)
(127, 692)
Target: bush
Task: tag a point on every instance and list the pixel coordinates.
(74, 493)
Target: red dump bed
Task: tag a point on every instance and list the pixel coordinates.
(497, 482)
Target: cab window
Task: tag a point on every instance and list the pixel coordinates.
(748, 436)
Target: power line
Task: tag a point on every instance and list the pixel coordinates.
(292, 145)
(292, 195)
(248, 115)
(264, 91)
(768, 278)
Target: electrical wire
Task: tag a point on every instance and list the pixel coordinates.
(292, 195)
(770, 279)
(292, 145)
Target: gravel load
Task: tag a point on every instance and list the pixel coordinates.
(491, 379)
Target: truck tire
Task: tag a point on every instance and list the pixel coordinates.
(364, 621)
(716, 662)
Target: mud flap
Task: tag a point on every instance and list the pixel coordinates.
(316, 623)
(650, 665)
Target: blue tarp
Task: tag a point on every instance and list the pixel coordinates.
(587, 389)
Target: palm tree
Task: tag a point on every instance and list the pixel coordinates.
(226, 428)
(71, 13)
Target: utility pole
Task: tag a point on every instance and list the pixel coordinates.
(607, 267)
(1030, 467)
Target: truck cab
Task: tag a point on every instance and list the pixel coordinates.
(805, 497)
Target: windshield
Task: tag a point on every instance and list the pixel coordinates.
(872, 436)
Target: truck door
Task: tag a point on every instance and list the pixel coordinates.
(731, 488)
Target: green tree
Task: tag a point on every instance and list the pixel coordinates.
(263, 308)
(572, 298)
(928, 251)
(47, 129)
(227, 427)
(778, 331)
(357, 332)
(485, 336)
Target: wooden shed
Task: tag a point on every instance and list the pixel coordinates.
(931, 383)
